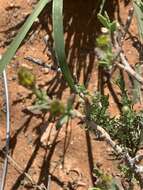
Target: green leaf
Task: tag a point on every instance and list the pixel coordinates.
(137, 94)
(80, 89)
(141, 6)
(70, 104)
(63, 120)
(102, 6)
(21, 34)
(113, 26)
(57, 108)
(103, 41)
(138, 7)
(107, 17)
(103, 20)
(59, 41)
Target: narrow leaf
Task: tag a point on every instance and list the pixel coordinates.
(103, 20)
(59, 41)
(102, 6)
(63, 120)
(113, 26)
(138, 7)
(137, 94)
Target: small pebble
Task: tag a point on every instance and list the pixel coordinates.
(45, 70)
(46, 38)
(14, 78)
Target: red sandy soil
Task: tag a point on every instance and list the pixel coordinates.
(83, 151)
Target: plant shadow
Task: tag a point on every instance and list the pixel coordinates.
(81, 28)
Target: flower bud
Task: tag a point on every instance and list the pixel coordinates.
(26, 77)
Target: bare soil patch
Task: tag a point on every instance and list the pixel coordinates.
(70, 155)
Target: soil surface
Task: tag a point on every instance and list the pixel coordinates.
(69, 155)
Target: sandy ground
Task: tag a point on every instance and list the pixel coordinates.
(71, 157)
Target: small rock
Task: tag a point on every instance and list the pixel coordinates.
(45, 70)
(46, 38)
(14, 78)
(27, 66)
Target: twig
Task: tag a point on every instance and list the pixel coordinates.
(118, 46)
(21, 171)
(127, 24)
(42, 63)
(137, 169)
(138, 158)
(125, 65)
(104, 135)
(131, 162)
(122, 32)
(49, 182)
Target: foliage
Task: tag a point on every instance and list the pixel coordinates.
(127, 128)
(98, 113)
(138, 7)
(104, 42)
(68, 113)
(130, 122)
(107, 23)
(104, 181)
(43, 103)
(126, 171)
(28, 80)
(59, 41)
(136, 91)
(81, 90)
(57, 108)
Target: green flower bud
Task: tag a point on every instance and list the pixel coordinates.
(57, 108)
(26, 77)
(125, 109)
(103, 41)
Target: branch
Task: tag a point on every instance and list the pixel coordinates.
(125, 65)
(131, 162)
(137, 169)
(119, 38)
(104, 135)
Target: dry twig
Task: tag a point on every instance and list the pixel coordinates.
(21, 171)
(126, 66)
(131, 162)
